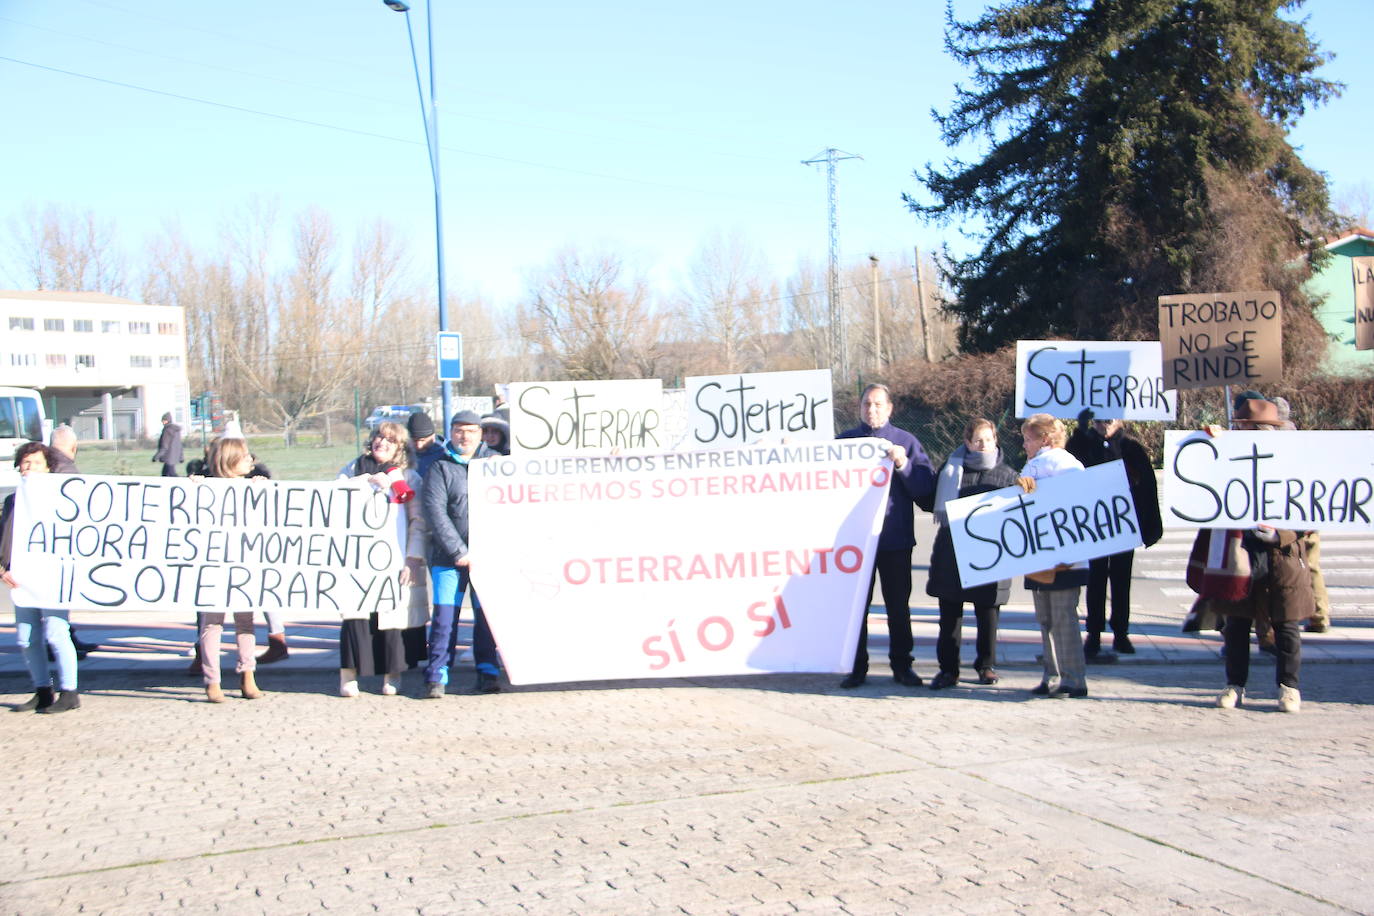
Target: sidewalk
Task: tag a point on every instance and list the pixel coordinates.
(130, 641)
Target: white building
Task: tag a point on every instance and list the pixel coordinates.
(110, 367)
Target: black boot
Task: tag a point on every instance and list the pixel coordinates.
(66, 700)
(41, 700)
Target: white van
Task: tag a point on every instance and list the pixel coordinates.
(21, 420)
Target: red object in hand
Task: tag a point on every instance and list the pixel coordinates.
(400, 490)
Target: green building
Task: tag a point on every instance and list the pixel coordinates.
(1335, 286)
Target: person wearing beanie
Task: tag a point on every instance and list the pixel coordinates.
(496, 434)
(169, 447)
(445, 501)
(426, 447)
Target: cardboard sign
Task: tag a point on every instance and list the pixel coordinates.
(1117, 380)
(678, 564)
(1216, 339)
(1312, 480)
(1363, 270)
(1069, 518)
(171, 544)
(746, 408)
(586, 416)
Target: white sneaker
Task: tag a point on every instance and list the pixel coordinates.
(388, 688)
(1231, 697)
(1289, 699)
(348, 682)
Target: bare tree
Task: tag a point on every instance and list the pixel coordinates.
(590, 322)
(58, 248)
(730, 307)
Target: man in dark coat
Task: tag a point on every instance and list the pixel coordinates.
(444, 498)
(1097, 442)
(169, 447)
(913, 483)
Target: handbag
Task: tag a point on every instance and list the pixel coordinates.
(1219, 565)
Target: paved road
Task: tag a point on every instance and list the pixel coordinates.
(758, 795)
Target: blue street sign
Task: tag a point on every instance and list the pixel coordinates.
(450, 356)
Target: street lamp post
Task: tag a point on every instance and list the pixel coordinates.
(430, 116)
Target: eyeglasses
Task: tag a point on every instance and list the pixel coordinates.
(384, 441)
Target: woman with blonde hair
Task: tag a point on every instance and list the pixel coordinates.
(1055, 591)
(229, 459)
(388, 644)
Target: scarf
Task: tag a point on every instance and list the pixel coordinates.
(952, 476)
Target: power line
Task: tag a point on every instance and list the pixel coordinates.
(363, 133)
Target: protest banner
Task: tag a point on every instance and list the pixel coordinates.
(172, 544)
(1216, 339)
(1307, 480)
(1069, 518)
(679, 564)
(478, 405)
(741, 409)
(1115, 379)
(586, 416)
(1363, 270)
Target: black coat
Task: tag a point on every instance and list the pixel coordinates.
(1092, 449)
(944, 571)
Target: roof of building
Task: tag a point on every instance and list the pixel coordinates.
(66, 296)
(1355, 233)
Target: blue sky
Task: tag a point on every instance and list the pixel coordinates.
(641, 128)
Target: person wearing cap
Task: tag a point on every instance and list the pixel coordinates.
(1095, 442)
(169, 447)
(1280, 589)
(444, 497)
(496, 434)
(425, 446)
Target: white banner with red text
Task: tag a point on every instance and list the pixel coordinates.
(174, 544)
(1070, 518)
(680, 564)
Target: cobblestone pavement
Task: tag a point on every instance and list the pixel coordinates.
(734, 795)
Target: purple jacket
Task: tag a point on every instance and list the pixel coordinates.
(913, 485)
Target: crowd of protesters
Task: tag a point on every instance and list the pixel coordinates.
(427, 476)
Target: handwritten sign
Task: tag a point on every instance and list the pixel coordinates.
(1363, 270)
(678, 564)
(162, 544)
(1217, 339)
(742, 409)
(1069, 518)
(1117, 380)
(586, 416)
(1309, 480)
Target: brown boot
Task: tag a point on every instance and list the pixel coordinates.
(249, 686)
(276, 649)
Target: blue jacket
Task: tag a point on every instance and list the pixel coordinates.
(913, 485)
(444, 499)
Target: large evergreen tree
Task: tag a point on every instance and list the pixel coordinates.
(1134, 148)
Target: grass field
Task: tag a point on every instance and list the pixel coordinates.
(307, 461)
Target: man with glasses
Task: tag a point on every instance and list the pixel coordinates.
(445, 501)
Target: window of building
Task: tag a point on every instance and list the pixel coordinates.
(54, 324)
(140, 327)
(109, 327)
(57, 360)
(23, 360)
(169, 362)
(83, 325)
(85, 360)
(141, 362)
(20, 324)
(168, 327)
